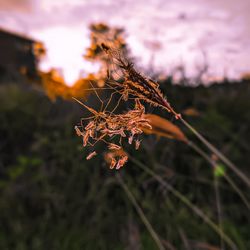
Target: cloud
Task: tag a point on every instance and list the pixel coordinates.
(215, 26)
(17, 5)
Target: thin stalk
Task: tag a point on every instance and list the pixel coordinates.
(141, 213)
(239, 192)
(213, 149)
(213, 164)
(187, 202)
(219, 209)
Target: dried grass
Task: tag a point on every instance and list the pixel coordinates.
(106, 127)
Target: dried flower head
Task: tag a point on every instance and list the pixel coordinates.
(116, 158)
(133, 83)
(116, 129)
(106, 127)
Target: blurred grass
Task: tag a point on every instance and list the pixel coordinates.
(52, 198)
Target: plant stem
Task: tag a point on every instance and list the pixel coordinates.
(219, 209)
(187, 202)
(140, 212)
(213, 164)
(213, 149)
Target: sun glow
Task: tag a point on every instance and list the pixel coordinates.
(65, 48)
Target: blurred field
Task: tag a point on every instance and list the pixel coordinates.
(52, 198)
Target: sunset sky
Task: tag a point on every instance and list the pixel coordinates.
(171, 32)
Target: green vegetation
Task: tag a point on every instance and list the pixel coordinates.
(53, 198)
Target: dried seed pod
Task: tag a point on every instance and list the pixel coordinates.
(112, 163)
(130, 139)
(91, 155)
(137, 85)
(78, 131)
(86, 138)
(137, 144)
(121, 162)
(113, 146)
(90, 125)
(92, 133)
(105, 126)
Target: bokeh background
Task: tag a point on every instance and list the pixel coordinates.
(51, 196)
(162, 34)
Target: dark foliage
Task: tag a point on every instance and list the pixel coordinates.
(52, 198)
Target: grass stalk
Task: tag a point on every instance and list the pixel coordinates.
(140, 212)
(213, 149)
(219, 209)
(187, 202)
(213, 164)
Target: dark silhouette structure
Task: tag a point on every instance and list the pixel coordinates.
(19, 54)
